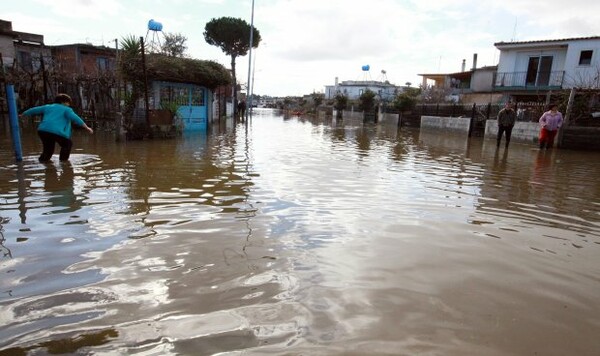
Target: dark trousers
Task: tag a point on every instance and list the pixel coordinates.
(49, 140)
(504, 129)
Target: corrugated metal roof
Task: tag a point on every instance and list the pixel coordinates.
(547, 41)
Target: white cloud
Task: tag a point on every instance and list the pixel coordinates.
(82, 9)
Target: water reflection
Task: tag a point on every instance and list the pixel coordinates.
(67, 345)
(299, 235)
(60, 186)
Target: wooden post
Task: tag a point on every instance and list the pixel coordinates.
(567, 116)
(118, 75)
(472, 123)
(147, 102)
(44, 75)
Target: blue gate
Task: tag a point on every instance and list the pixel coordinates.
(191, 101)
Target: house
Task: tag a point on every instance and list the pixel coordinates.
(353, 89)
(467, 86)
(186, 86)
(87, 73)
(530, 69)
(85, 59)
(20, 49)
(23, 58)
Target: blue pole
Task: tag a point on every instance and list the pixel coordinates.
(13, 118)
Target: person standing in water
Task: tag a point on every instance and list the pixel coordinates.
(506, 121)
(550, 122)
(55, 126)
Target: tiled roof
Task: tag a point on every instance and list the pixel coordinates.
(548, 41)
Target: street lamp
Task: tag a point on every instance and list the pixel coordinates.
(250, 62)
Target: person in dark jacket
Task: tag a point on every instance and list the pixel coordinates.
(56, 126)
(241, 108)
(506, 121)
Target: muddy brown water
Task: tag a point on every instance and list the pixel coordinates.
(300, 236)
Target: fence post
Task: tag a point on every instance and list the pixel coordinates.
(489, 109)
(437, 109)
(567, 116)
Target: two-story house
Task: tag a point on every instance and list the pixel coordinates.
(530, 69)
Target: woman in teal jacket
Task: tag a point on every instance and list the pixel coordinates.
(56, 126)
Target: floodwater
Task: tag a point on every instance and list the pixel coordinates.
(293, 236)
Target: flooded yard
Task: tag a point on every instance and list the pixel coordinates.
(300, 236)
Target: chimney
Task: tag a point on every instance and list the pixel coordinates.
(474, 61)
(464, 65)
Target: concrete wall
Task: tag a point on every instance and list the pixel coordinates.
(581, 138)
(350, 114)
(482, 79)
(456, 124)
(481, 98)
(522, 131)
(7, 48)
(388, 119)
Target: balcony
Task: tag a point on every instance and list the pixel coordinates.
(528, 81)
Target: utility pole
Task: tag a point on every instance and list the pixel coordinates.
(249, 105)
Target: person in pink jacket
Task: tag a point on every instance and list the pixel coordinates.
(550, 122)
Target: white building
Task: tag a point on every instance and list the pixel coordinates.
(353, 89)
(538, 66)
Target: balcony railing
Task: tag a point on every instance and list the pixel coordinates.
(521, 80)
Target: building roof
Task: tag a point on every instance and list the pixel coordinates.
(465, 74)
(363, 83)
(17, 36)
(546, 41)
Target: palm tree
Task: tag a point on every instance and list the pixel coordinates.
(131, 68)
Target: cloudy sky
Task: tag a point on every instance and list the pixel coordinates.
(306, 44)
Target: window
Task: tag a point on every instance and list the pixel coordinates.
(197, 97)
(103, 64)
(25, 61)
(539, 71)
(585, 58)
(36, 61)
(174, 94)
